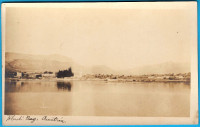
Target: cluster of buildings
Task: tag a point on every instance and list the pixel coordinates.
(148, 77)
(31, 75)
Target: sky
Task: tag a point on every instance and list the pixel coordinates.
(115, 35)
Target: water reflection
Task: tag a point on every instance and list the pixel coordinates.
(13, 86)
(64, 86)
(103, 98)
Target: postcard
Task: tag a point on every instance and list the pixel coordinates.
(99, 63)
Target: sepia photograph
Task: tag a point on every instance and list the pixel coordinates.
(99, 63)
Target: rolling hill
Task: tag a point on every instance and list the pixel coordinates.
(54, 63)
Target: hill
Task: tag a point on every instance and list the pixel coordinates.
(163, 68)
(36, 63)
(54, 63)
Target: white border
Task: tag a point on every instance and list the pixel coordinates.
(85, 120)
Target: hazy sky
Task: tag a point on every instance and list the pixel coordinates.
(113, 36)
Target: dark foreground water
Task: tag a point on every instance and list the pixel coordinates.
(97, 98)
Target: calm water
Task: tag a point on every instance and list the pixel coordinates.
(97, 98)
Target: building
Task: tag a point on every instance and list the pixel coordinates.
(18, 75)
(48, 75)
(32, 75)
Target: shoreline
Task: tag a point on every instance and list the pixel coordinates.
(96, 79)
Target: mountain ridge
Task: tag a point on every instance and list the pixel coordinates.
(55, 62)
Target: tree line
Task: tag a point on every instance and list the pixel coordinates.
(65, 73)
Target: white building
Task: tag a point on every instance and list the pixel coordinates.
(48, 75)
(18, 75)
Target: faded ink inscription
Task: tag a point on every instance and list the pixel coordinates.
(33, 119)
